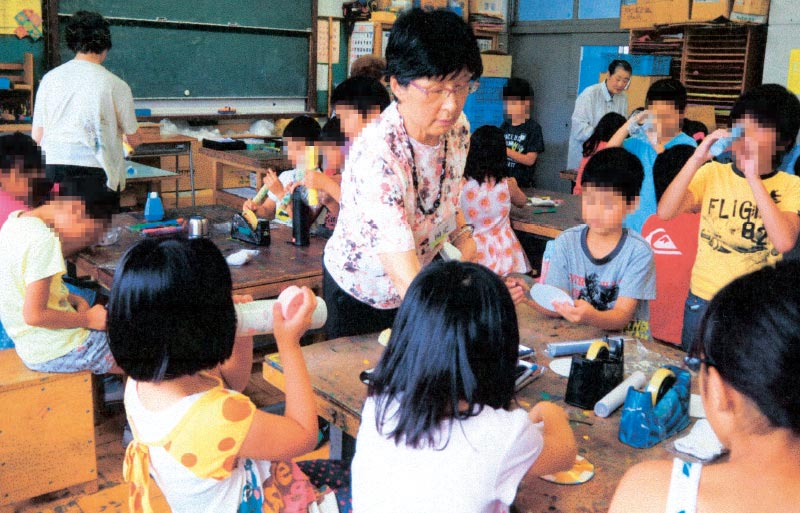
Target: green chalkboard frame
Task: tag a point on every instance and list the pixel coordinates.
(262, 49)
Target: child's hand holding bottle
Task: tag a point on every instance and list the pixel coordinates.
(298, 310)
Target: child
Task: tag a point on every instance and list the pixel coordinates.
(52, 329)
(748, 211)
(357, 102)
(606, 269)
(666, 102)
(486, 200)
(524, 140)
(331, 148)
(301, 132)
(171, 324)
(22, 179)
(438, 432)
(674, 245)
(746, 357)
(607, 127)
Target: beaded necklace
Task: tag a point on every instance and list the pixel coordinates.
(415, 181)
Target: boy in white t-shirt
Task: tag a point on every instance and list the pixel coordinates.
(83, 111)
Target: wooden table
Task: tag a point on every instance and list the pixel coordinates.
(257, 161)
(547, 224)
(152, 176)
(335, 365)
(276, 267)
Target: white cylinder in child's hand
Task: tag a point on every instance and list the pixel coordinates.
(255, 317)
(614, 399)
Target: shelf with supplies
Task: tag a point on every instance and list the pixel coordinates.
(716, 63)
(16, 90)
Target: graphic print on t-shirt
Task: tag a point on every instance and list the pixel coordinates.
(598, 294)
(515, 142)
(733, 226)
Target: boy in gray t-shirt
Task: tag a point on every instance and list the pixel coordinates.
(606, 269)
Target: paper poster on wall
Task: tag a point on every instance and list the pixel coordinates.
(362, 41)
(793, 77)
(21, 17)
(328, 35)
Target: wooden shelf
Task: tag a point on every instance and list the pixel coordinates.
(716, 63)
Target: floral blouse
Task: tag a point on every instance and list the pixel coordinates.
(378, 208)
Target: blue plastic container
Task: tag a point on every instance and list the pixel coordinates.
(153, 209)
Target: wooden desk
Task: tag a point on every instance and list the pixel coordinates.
(276, 267)
(547, 224)
(257, 161)
(334, 366)
(152, 176)
(154, 145)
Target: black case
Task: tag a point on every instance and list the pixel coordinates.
(590, 380)
(224, 145)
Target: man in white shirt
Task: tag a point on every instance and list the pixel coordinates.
(595, 102)
(83, 111)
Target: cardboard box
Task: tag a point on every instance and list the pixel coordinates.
(493, 7)
(637, 91)
(750, 11)
(709, 10)
(496, 65)
(432, 5)
(201, 197)
(636, 14)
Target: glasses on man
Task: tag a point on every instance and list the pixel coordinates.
(438, 93)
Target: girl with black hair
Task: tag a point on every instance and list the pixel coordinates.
(605, 129)
(440, 430)
(486, 198)
(747, 355)
(171, 327)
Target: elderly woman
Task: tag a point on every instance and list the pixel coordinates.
(402, 181)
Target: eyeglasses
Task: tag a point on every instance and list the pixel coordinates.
(441, 93)
(693, 362)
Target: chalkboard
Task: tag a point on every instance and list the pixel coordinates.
(289, 14)
(266, 56)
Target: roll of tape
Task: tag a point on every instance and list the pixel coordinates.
(598, 349)
(660, 383)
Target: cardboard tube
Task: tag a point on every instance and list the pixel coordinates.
(255, 317)
(567, 348)
(614, 399)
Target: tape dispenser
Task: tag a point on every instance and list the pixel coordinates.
(246, 227)
(595, 374)
(657, 412)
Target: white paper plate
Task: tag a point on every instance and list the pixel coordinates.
(544, 295)
(561, 366)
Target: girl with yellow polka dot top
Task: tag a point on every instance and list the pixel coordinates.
(171, 326)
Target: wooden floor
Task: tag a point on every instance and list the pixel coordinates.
(112, 495)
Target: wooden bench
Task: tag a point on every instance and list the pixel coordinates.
(47, 440)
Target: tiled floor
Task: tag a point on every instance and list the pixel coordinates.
(112, 495)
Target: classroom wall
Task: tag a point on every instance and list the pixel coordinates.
(548, 55)
(784, 23)
(12, 49)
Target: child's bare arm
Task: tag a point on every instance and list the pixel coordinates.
(295, 433)
(559, 450)
(677, 199)
(526, 159)
(35, 311)
(584, 313)
(518, 198)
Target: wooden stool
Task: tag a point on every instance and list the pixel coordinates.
(46, 432)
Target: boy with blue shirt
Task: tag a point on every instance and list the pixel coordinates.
(606, 269)
(666, 102)
(749, 211)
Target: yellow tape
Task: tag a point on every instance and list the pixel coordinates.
(250, 217)
(595, 350)
(383, 338)
(660, 383)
